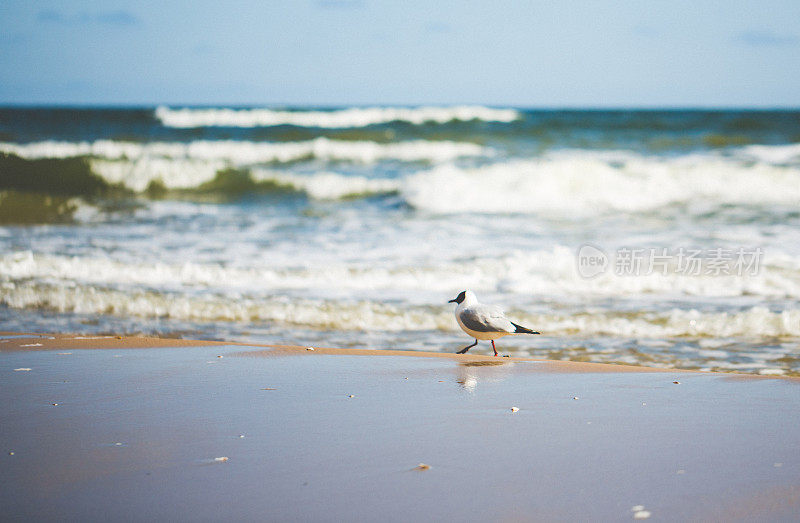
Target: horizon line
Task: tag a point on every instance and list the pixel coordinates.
(334, 106)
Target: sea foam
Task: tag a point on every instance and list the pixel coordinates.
(579, 183)
(189, 165)
(328, 185)
(369, 315)
(538, 273)
(245, 152)
(776, 154)
(340, 118)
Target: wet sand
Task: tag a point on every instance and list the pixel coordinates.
(331, 434)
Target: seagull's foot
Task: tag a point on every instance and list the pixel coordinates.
(468, 347)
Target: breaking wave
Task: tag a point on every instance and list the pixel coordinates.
(775, 154)
(560, 183)
(584, 183)
(340, 118)
(539, 273)
(369, 315)
(189, 165)
(244, 152)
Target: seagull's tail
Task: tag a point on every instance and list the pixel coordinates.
(519, 329)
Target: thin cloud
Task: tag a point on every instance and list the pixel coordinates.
(119, 18)
(339, 4)
(646, 31)
(203, 48)
(50, 16)
(757, 38)
(437, 27)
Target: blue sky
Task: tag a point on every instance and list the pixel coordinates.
(339, 52)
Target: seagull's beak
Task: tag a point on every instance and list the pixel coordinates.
(452, 301)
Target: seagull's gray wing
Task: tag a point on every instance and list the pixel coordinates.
(485, 318)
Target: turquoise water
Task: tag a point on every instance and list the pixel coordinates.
(354, 226)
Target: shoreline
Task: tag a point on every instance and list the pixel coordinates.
(20, 341)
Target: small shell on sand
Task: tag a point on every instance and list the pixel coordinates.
(641, 514)
(575, 397)
(221, 459)
(23, 369)
(309, 348)
(422, 466)
(220, 356)
(676, 382)
(54, 404)
(351, 396)
(514, 409)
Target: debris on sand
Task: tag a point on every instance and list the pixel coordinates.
(514, 409)
(422, 466)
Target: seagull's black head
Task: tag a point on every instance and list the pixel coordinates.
(459, 298)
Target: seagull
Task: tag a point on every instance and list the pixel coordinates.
(483, 322)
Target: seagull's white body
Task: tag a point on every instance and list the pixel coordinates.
(484, 322)
(489, 319)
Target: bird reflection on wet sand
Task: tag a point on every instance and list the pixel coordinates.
(469, 372)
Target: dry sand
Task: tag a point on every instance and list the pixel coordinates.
(176, 432)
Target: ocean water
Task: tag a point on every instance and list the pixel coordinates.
(665, 238)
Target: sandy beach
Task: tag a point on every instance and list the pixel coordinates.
(160, 429)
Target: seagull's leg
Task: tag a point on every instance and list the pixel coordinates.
(493, 347)
(468, 347)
